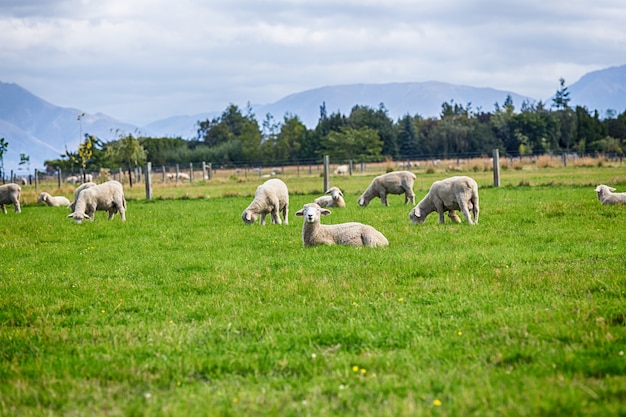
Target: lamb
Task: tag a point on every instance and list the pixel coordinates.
(54, 201)
(270, 197)
(450, 194)
(606, 195)
(349, 234)
(398, 182)
(335, 199)
(10, 194)
(108, 196)
(78, 190)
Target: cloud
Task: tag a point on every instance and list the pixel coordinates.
(144, 60)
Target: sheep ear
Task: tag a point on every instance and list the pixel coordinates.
(611, 188)
(299, 213)
(328, 191)
(70, 216)
(89, 216)
(325, 212)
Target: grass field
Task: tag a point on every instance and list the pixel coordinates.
(183, 310)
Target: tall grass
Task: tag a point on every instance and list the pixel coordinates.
(183, 310)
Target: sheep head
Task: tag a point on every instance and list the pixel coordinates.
(249, 216)
(416, 216)
(312, 213)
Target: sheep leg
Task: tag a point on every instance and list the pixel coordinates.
(262, 219)
(409, 196)
(453, 216)
(466, 213)
(275, 216)
(383, 199)
(4, 209)
(285, 213)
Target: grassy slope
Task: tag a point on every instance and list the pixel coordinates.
(184, 311)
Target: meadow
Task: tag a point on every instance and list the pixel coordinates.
(184, 310)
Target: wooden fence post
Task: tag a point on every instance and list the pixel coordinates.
(326, 175)
(148, 175)
(496, 168)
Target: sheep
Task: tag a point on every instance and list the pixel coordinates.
(450, 194)
(73, 179)
(349, 234)
(342, 170)
(270, 197)
(335, 199)
(54, 201)
(77, 191)
(606, 195)
(181, 176)
(398, 182)
(108, 196)
(10, 194)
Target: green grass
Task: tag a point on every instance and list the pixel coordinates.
(183, 310)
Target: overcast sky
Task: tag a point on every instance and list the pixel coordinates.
(144, 60)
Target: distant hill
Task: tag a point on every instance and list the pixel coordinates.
(601, 90)
(42, 130)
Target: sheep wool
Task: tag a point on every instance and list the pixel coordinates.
(10, 194)
(335, 199)
(398, 182)
(53, 201)
(606, 195)
(108, 196)
(271, 197)
(450, 194)
(350, 234)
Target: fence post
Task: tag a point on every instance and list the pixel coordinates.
(36, 180)
(191, 172)
(350, 168)
(148, 175)
(496, 168)
(59, 175)
(564, 157)
(210, 170)
(177, 172)
(163, 171)
(326, 169)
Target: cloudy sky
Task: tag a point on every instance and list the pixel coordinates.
(144, 60)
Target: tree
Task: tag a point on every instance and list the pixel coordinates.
(407, 137)
(129, 152)
(3, 148)
(561, 99)
(363, 145)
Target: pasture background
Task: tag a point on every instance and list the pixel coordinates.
(183, 310)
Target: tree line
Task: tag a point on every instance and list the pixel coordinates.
(367, 134)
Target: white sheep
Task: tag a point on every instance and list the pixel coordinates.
(72, 179)
(10, 194)
(108, 196)
(181, 176)
(54, 201)
(398, 182)
(335, 199)
(271, 197)
(450, 194)
(342, 170)
(606, 195)
(350, 234)
(78, 190)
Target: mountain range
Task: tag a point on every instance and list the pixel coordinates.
(41, 130)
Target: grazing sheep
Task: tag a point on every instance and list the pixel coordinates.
(454, 193)
(54, 201)
(607, 196)
(399, 182)
(350, 234)
(73, 179)
(181, 176)
(108, 196)
(270, 197)
(335, 199)
(342, 170)
(10, 194)
(78, 190)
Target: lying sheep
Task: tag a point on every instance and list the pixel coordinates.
(350, 234)
(398, 182)
(108, 196)
(606, 195)
(271, 197)
(10, 194)
(455, 193)
(78, 190)
(335, 199)
(54, 201)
